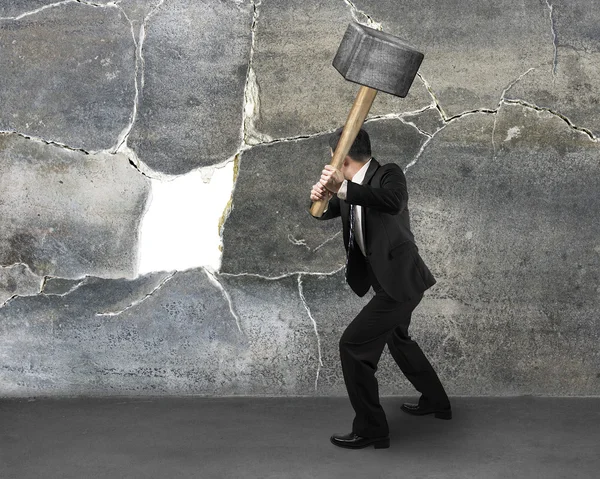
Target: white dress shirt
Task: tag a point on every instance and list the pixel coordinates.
(358, 178)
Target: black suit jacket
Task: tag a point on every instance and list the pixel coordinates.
(389, 243)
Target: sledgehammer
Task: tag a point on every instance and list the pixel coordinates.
(379, 62)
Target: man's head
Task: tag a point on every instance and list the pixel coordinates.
(359, 154)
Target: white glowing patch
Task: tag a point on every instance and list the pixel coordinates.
(180, 229)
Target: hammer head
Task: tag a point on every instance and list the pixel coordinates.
(377, 60)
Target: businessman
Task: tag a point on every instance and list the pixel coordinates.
(372, 201)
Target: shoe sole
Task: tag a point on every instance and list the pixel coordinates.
(447, 415)
(381, 444)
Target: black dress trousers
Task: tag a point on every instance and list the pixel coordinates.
(383, 320)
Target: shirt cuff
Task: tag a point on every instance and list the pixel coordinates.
(341, 194)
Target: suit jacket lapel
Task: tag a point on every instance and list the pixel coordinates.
(373, 166)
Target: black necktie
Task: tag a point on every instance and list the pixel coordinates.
(351, 237)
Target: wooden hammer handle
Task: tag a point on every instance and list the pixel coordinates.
(356, 118)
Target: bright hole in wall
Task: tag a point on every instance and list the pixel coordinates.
(180, 229)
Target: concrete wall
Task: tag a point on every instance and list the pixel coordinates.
(102, 102)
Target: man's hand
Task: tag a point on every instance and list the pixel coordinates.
(319, 192)
(331, 178)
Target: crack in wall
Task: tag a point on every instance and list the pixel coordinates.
(421, 150)
(292, 139)
(445, 118)
(301, 293)
(298, 242)
(102, 5)
(448, 120)
(82, 282)
(165, 280)
(476, 111)
(495, 113)
(18, 263)
(54, 143)
(139, 80)
(38, 10)
(58, 4)
(302, 242)
(9, 300)
(356, 13)
(555, 113)
(32, 273)
(446, 123)
(122, 138)
(229, 206)
(213, 279)
(371, 119)
(327, 241)
(43, 285)
(500, 102)
(554, 37)
(433, 97)
(251, 111)
(135, 162)
(402, 117)
(513, 83)
(414, 125)
(283, 276)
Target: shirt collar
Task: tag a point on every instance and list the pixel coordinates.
(359, 176)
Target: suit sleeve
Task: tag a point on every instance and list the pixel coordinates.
(333, 209)
(391, 197)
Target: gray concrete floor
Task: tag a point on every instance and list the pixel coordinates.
(524, 437)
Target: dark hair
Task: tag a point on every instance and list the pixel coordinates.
(360, 149)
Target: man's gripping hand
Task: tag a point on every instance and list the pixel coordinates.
(331, 178)
(319, 192)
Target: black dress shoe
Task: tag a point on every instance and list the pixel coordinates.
(352, 441)
(421, 410)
